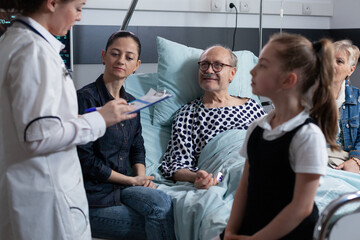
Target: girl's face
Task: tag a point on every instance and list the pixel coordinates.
(342, 66)
(65, 14)
(267, 75)
(121, 58)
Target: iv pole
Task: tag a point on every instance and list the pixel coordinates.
(260, 26)
(265, 102)
(128, 15)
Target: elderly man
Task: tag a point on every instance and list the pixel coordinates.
(197, 122)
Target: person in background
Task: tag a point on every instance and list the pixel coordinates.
(286, 150)
(122, 205)
(42, 190)
(197, 122)
(347, 101)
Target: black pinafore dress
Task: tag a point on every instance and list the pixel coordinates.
(271, 185)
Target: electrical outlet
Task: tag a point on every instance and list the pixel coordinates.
(235, 2)
(217, 5)
(306, 9)
(244, 6)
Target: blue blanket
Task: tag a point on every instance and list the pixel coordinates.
(335, 184)
(202, 214)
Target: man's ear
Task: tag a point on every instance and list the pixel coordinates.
(290, 79)
(232, 74)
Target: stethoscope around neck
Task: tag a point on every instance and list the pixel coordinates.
(65, 69)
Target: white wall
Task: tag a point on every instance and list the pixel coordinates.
(196, 13)
(346, 14)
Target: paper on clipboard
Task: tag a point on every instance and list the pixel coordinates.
(152, 97)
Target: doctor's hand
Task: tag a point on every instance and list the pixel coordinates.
(204, 180)
(114, 112)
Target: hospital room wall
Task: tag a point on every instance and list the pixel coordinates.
(345, 23)
(195, 29)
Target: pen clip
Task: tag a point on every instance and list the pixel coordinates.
(160, 93)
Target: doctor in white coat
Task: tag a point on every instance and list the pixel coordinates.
(42, 194)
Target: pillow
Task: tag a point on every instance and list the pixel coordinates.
(178, 74)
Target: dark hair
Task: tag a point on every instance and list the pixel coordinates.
(124, 34)
(23, 6)
(316, 62)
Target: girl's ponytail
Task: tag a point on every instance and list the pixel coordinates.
(316, 64)
(324, 110)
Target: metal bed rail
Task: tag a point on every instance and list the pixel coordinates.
(321, 228)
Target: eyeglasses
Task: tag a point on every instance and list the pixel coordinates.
(216, 66)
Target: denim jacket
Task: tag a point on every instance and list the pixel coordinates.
(350, 111)
(121, 144)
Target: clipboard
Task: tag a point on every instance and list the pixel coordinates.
(152, 97)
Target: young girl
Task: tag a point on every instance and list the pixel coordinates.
(122, 206)
(286, 150)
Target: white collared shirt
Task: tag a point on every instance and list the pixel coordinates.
(58, 96)
(308, 150)
(56, 44)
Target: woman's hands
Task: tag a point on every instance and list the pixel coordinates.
(145, 181)
(138, 180)
(115, 111)
(350, 166)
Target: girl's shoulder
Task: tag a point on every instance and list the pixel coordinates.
(310, 134)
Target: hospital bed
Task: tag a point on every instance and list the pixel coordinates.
(340, 219)
(202, 214)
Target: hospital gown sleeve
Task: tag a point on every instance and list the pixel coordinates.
(179, 153)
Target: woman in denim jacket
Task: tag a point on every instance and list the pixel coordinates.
(347, 100)
(122, 205)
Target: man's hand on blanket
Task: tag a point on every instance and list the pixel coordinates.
(204, 180)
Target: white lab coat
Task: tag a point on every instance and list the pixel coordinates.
(42, 194)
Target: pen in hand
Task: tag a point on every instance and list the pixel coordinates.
(93, 109)
(116, 111)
